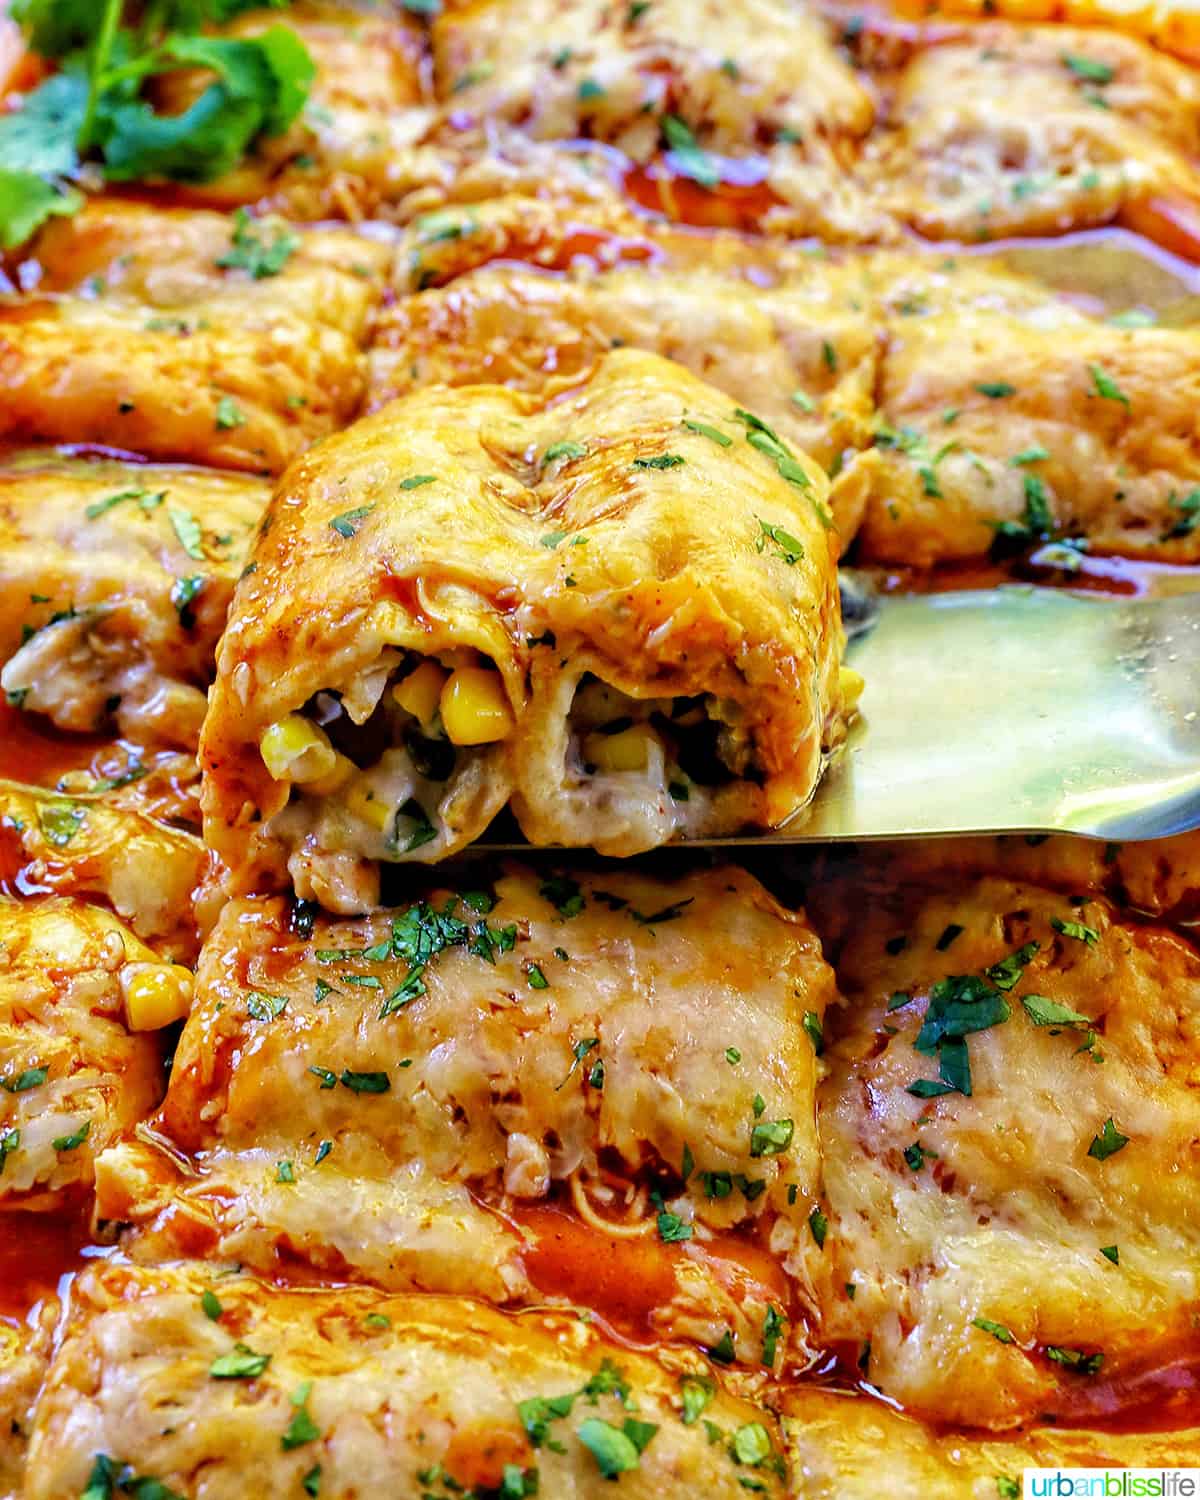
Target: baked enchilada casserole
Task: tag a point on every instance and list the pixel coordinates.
(434, 424)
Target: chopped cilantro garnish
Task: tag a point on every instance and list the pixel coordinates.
(787, 546)
(1107, 1142)
(1043, 1011)
(671, 1228)
(348, 522)
(715, 436)
(229, 414)
(997, 1330)
(1106, 387)
(417, 481)
(1077, 930)
(819, 1226)
(259, 253)
(21, 1083)
(995, 390)
(660, 461)
(686, 155)
(241, 1363)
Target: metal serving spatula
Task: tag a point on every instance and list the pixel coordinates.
(1010, 710)
(1017, 710)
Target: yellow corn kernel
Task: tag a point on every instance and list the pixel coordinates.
(627, 751)
(851, 684)
(365, 802)
(296, 750)
(421, 691)
(343, 769)
(475, 707)
(155, 995)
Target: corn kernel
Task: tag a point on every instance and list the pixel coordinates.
(627, 751)
(420, 692)
(365, 802)
(475, 707)
(851, 684)
(296, 750)
(343, 769)
(155, 995)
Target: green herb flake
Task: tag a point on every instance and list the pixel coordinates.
(301, 1429)
(672, 1229)
(21, 1083)
(211, 1304)
(1107, 1142)
(819, 1226)
(261, 249)
(787, 547)
(687, 156)
(660, 461)
(61, 821)
(229, 414)
(713, 435)
(1106, 387)
(1077, 930)
(997, 1330)
(365, 1083)
(73, 1141)
(241, 1363)
(1088, 69)
(348, 522)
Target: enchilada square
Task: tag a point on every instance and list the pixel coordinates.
(729, 115)
(618, 608)
(801, 351)
(115, 579)
(74, 1075)
(1007, 129)
(595, 1089)
(341, 1392)
(1008, 1135)
(186, 335)
(97, 847)
(1006, 417)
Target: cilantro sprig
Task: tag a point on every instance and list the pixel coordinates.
(96, 114)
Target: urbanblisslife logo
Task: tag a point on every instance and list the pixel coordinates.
(1119, 1484)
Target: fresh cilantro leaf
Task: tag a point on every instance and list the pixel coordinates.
(1077, 930)
(1075, 1359)
(1006, 972)
(187, 529)
(696, 1391)
(819, 1227)
(73, 1141)
(712, 433)
(1088, 69)
(1043, 1011)
(21, 1083)
(660, 461)
(672, 1229)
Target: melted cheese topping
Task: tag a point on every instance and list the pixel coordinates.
(136, 337)
(73, 1076)
(132, 568)
(980, 1232)
(587, 1040)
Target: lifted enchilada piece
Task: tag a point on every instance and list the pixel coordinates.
(114, 584)
(346, 1393)
(619, 608)
(595, 1089)
(187, 336)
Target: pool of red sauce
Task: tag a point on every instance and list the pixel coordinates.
(36, 1252)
